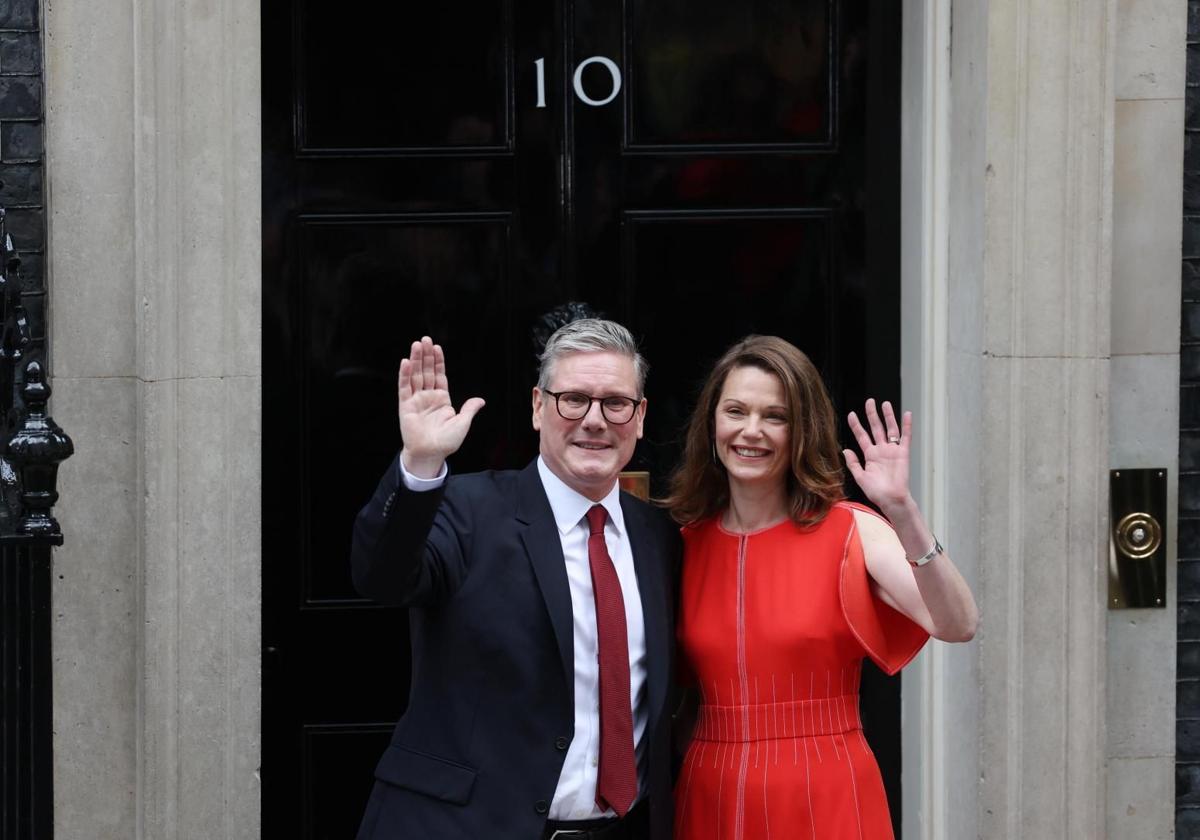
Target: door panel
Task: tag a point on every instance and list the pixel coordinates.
(436, 78)
(743, 179)
(368, 284)
(729, 75)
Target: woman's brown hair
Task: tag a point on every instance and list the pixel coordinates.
(699, 487)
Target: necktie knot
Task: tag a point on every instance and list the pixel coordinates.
(596, 517)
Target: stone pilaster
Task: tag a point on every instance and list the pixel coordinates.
(153, 144)
(1045, 373)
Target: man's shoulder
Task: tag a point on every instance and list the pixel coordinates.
(652, 515)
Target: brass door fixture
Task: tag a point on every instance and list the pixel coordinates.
(1137, 551)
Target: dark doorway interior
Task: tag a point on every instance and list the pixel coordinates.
(745, 178)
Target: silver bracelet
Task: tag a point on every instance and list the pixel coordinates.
(927, 556)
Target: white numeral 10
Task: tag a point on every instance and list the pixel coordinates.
(607, 63)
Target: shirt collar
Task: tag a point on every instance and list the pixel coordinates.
(569, 506)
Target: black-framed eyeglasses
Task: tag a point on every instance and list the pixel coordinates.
(573, 405)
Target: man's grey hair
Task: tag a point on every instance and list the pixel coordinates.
(591, 335)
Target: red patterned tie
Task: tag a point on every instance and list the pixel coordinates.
(616, 786)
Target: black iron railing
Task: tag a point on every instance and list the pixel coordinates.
(31, 448)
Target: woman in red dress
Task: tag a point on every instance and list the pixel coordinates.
(786, 588)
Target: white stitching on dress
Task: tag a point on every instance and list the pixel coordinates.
(812, 716)
(733, 723)
(720, 740)
(757, 739)
(739, 821)
(687, 784)
(829, 702)
(766, 807)
(812, 817)
(795, 750)
(854, 788)
(775, 718)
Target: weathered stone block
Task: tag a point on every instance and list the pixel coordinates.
(1188, 624)
(1190, 326)
(33, 272)
(1189, 364)
(20, 52)
(1191, 280)
(1191, 186)
(1191, 236)
(1189, 493)
(19, 14)
(1189, 405)
(1189, 547)
(1187, 659)
(1189, 451)
(20, 97)
(1187, 824)
(21, 141)
(1187, 740)
(1187, 784)
(1189, 570)
(27, 227)
(1187, 698)
(21, 183)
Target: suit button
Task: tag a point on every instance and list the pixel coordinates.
(541, 806)
(561, 743)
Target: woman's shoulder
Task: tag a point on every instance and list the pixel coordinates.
(861, 515)
(700, 529)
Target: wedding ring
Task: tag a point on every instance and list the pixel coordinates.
(894, 440)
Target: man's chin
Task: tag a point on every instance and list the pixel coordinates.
(595, 473)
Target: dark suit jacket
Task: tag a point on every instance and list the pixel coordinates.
(480, 565)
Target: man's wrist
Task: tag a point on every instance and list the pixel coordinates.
(424, 467)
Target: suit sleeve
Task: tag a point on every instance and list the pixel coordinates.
(409, 547)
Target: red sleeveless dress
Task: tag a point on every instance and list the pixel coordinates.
(773, 628)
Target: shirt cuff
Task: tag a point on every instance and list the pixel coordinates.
(420, 485)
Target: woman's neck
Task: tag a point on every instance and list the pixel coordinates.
(754, 508)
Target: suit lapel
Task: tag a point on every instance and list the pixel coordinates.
(648, 565)
(542, 544)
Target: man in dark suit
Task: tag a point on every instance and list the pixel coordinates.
(540, 612)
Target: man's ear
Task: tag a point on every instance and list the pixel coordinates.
(639, 415)
(537, 409)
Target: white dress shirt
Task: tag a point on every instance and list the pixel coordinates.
(575, 796)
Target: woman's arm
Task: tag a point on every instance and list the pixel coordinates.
(934, 595)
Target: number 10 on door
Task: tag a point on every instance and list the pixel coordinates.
(607, 63)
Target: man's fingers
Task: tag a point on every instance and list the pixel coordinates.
(428, 377)
(416, 373)
(471, 407)
(439, 368)
(404, 380)
(460, 424)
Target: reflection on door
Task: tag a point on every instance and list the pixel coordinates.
(696, 170)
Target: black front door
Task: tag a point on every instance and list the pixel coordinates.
(696, 170)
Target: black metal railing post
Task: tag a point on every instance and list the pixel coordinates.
(31, 448)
